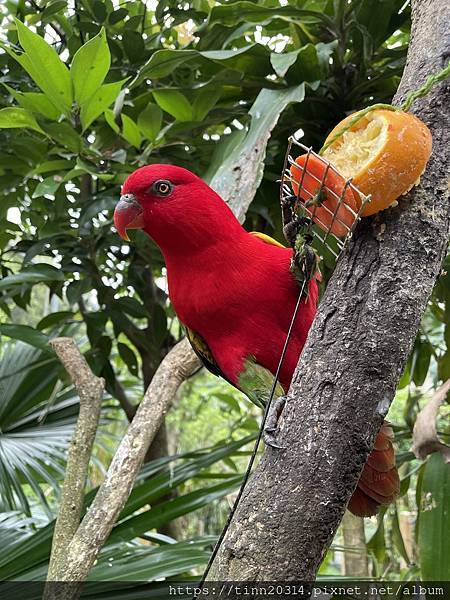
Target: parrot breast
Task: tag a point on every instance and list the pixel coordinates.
(240, 300)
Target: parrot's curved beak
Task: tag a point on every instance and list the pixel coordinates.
(128, 215)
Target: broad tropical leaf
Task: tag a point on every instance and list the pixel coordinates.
(36, 423)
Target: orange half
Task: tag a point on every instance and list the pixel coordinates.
(384, 153)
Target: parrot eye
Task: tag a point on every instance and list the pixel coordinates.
(162, 187)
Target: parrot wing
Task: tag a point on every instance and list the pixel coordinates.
(254, 380)
(201, 349)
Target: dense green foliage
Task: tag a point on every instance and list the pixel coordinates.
(89, 95)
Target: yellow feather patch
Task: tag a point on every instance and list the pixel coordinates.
(267, 239)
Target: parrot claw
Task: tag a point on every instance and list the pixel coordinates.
(271, 426)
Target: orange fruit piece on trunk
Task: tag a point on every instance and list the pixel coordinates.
(384, 153)
(320, 192)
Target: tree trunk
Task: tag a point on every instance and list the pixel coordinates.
(355, 353)
(355, 551)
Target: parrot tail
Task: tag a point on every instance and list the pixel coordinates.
(379, 484)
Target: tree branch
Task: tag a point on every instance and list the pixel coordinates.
(90, 390)
(355, 353)
(425, 435)
(112, 495)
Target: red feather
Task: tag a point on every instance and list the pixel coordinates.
(238, 294)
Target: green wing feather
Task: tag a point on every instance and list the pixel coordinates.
(256, 382)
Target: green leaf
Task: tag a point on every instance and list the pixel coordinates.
(150, 121)
(47, 186)
(155, 481)
(434, 523)
(77, 288)
(99, 102)
(174, 103)
(249, 153)
(53, 8)
(377, 543)
(32, 447)
(152, 564)
(35, 103)
(253, 58)
(309, 63)
(100, 11)
(53, 165)
(91, 168)
(64, 134)
(55, 319)
(162, 513)
(45, 67)
(282, 61)
(131, 306)
(405, 379)
(223, 151)
(159, 324)
(204, 101)
(253, 12)
(26, 334)
(111, 120)
(129, 358)
(117, 15)
(147, 493)
(130, 131)
(16, 118)
(398, 538)
(89, 67)
(36, 274)
(421, 361)
(133, 44)
(93, 208)
(163, 62)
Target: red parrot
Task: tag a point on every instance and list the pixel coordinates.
(235, 294)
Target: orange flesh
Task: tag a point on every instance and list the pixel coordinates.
(384, 153)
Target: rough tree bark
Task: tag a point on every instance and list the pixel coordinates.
(354, 356)
(90, 390)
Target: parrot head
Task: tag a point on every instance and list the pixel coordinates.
(173, 206)
(151, 193)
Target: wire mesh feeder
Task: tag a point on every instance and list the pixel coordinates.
(327, 215)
